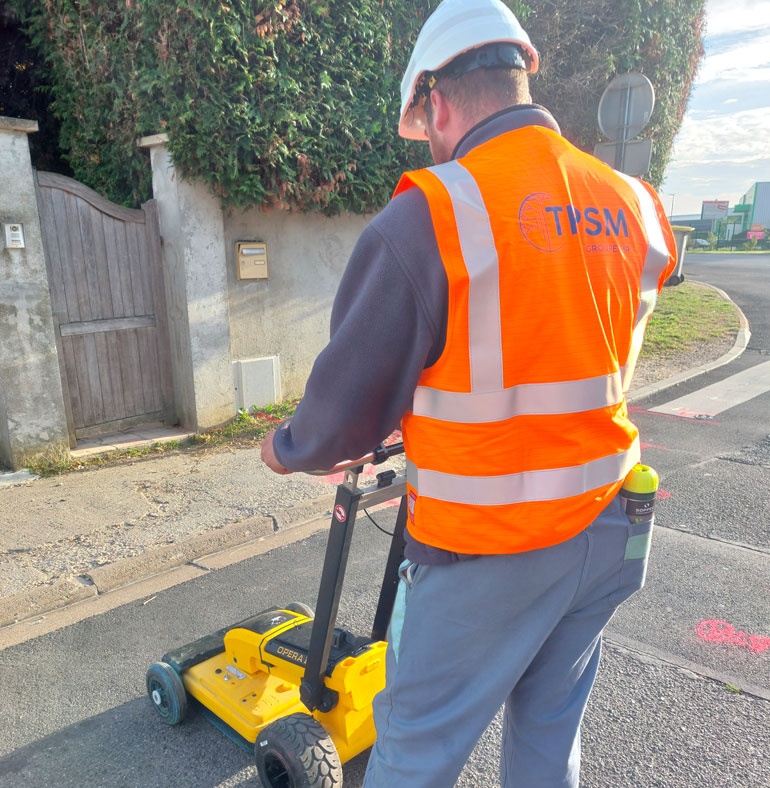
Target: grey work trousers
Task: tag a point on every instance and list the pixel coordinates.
(523, 630)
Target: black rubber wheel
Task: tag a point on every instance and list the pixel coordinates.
(167, 693)
(296, 752)
(301, 608)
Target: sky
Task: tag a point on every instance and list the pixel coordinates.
(723, 145)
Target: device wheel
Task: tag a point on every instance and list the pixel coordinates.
(297, 752)
(167, 693)
(301, 608)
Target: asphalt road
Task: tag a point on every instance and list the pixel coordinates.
(745, 277)
(80, 717)
(662, 714)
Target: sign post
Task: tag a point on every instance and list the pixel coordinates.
(625, 109)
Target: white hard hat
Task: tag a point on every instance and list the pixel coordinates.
(453, 28)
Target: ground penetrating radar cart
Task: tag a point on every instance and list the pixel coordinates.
(287, 684)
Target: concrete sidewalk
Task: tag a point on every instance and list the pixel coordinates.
(65, 538)
(82, 534)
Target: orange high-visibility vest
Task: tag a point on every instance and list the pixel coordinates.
(519, 434)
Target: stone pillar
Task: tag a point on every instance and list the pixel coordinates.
(32, 414)
(192, 229)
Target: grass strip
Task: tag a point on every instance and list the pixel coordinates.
(688, 316)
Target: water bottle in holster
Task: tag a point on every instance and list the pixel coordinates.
(638, 493)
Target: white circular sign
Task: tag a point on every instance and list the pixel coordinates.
(626, 106)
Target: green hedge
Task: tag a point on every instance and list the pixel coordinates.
(585, 43)
(295, 103)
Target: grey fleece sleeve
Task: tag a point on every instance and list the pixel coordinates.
(386, 327)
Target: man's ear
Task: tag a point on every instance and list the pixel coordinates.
(441, 110)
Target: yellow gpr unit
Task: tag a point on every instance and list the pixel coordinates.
(287, 685)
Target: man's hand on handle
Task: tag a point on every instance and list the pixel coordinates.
(268, 455)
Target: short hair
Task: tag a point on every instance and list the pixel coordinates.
(483, 91)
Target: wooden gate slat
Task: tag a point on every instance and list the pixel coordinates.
(133, 391)
(53, 258)
(102, 271)
(144, 271)
(145, 362)
(121, 243)
(92, 359)
(70, 364)
(59, 205)
(116, 378)
(113, 269)
(141, 307)
(149, 295)
(155, 372)
(135, 269)
(77, 258)
(110, 410)
(87, 244)
(127, 373)
(85, 386)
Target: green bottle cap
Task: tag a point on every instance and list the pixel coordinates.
(641, 479)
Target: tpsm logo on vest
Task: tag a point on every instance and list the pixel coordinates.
(544, 224)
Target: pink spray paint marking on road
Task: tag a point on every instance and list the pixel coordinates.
(651, 446)
(713, 630)
(679, 417)
(662, 494)
(692, 414)
(267, 416)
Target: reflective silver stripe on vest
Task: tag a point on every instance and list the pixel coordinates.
(480, 256)
(655, 262)
(546, 485)
(526, 399)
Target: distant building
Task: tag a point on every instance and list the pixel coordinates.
(754, 207)
(698, 224)
(714, 211)
(751, 213)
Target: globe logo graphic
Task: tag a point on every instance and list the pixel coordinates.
(533, 221)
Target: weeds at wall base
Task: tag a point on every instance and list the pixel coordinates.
(49, 462)
(245, 430)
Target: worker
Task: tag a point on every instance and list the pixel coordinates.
(495, 309)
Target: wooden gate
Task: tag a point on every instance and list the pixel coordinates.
(106, 282)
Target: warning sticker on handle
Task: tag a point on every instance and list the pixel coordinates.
(340, 513)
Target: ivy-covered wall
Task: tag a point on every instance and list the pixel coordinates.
(295, 103)
(585, 43)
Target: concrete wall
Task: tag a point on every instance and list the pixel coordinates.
(191, 226)
(288, 314)
(32, 415)
(237, 343)
(32, 410)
